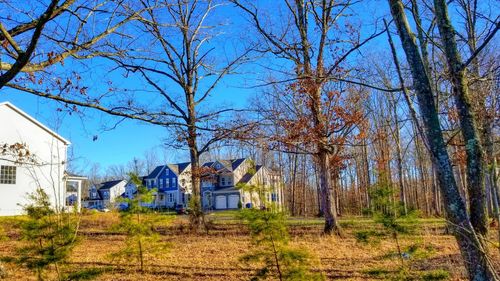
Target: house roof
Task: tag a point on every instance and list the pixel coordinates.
(109, 184)
(178, 168)
(237, 162)
(248, 176)
(34, 121)
(155, 172)
(207, 164)
(74, 176)
(230, 164)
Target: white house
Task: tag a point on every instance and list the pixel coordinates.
(105, 195)
(239, 183)
(32, 156)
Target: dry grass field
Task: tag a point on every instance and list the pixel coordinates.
(215, 256)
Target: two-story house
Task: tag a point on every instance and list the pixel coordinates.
(105, 195)
(33, 156)
(222, 185)
(173, 184)
(239, 183)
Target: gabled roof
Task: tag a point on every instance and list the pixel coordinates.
(248, 176)
(179, 168)
(155, 172)
(229, 165)
(109, 184)
(34, 121)
(237, 162)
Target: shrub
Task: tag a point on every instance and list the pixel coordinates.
(269, 235)
(139, 226)
(50, 236)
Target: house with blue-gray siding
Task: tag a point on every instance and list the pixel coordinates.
(222, 185)
(172, 183)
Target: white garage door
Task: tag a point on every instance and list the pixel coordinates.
(233, 201)
(220, 202)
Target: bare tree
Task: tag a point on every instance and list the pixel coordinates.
(176, 61)
(302, 33)
(37, 47)
(473, 250)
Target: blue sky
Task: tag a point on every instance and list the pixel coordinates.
(132, 138)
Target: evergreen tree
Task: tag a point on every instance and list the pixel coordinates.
(139, 225)
(270, 238)
(50, 236)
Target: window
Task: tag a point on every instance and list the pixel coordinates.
(274, 197)
(170, 197)
(174, 182)
(223, 181)
(7, 174)
(160, 184)
(167, 183)
(71, 186)
(162, 197)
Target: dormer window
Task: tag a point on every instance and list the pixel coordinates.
(223, 181)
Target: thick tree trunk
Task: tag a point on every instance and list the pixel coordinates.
(473, 146)
(196, 214)
(475, 257)
(327, 202)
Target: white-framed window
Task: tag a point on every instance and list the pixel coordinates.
(7, 174)
(170, 197)
(174, 182)
(162, 197)
(167, 183)
(160, 185)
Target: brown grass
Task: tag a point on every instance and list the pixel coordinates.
(215, 256)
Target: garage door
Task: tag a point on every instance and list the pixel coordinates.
(220, 202)
(233, 201)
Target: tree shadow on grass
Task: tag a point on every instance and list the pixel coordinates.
(87, 273)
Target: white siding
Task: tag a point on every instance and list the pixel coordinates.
(50, 152)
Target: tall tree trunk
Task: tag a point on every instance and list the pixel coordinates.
(366, 167)
(399, 156)
(473, 146)
(196, 215)
(476, 259)
(327, 203)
